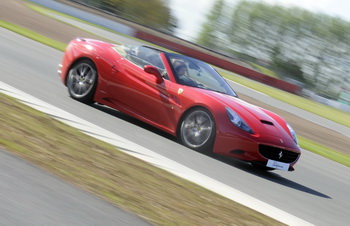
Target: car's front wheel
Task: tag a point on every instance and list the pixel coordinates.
(197, 130)
(82, 81)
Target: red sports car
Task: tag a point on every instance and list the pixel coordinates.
(180, 95)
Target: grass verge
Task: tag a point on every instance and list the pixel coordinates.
(33, 35)
(324, 151)
(48, 12)
(265, 70)
(156, 195)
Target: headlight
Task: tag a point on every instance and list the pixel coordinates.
(237, 121)
(294, 135)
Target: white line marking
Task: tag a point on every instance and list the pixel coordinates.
(151, 157)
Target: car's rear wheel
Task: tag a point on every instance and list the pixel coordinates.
(82, 81)
(197, 130)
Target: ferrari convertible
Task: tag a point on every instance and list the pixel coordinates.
(180, 95)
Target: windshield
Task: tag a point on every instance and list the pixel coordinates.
(195, 73)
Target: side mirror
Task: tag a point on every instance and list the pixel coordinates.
(153, 71)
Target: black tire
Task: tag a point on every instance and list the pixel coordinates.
(197, 130)
(82, 81)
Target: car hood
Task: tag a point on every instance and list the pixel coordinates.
(260, 120)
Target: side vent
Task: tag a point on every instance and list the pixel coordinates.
(266, 122)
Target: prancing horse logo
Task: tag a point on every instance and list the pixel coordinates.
(280, 155)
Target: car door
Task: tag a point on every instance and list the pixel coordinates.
(139, 93)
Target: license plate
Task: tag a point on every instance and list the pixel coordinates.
(277, 165)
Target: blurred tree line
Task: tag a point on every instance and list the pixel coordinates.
(152, 13)
(305, 46)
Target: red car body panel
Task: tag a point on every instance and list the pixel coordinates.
(126, 87)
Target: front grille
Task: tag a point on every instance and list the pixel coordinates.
(277, 154)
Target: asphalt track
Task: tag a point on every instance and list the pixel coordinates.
(318, 191)
(30, 196)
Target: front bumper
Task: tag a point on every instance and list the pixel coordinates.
(257, 148)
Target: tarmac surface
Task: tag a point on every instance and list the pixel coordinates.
(31, 196)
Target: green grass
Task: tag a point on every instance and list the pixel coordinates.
(33, 35)
(154, 194)
(324, 151)
(330, 113)
(46, 11)
(265, 70)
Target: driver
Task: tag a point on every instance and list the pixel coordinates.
(181, 72)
